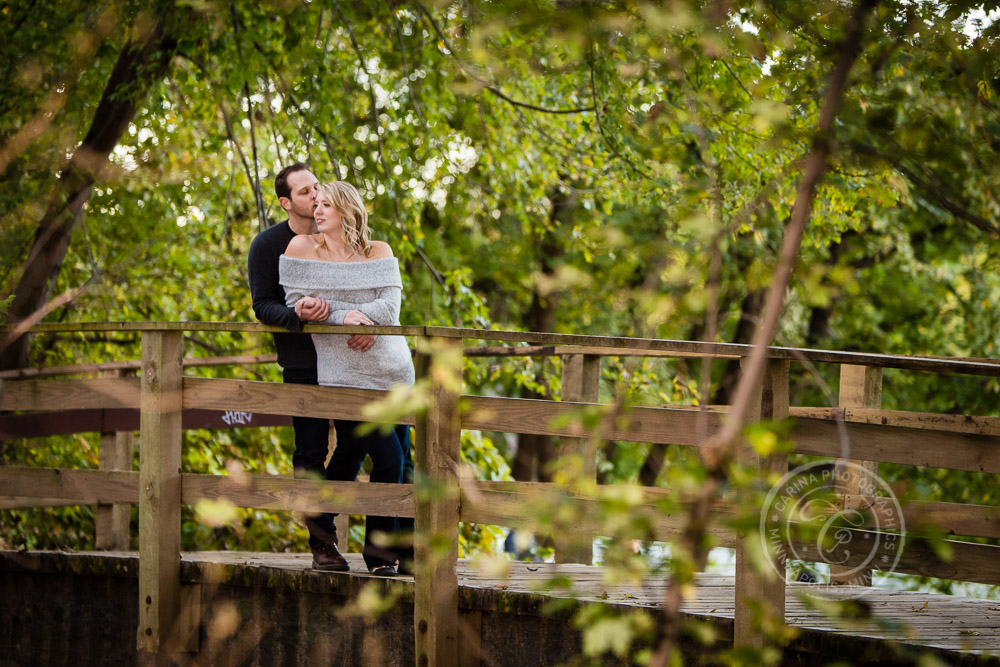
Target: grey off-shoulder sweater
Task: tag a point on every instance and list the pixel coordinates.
(375, 288)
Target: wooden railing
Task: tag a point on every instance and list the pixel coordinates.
(168, 609)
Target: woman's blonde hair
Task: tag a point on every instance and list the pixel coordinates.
(354, 218)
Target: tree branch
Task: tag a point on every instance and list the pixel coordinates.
(486, 84)
(381, 152)
(597, 116)
(258, 195)
(930, 186)
(225, 229)
(719, 449)
(141, 65)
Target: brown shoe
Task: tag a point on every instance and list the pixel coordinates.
(326, 557)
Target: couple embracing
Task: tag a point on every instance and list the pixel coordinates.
(320, 266)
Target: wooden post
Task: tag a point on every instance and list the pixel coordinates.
(860, 387)
(581, 377)
(436, 461)
(160, 492)
(341, 522)
(760, 596)
(112, 521)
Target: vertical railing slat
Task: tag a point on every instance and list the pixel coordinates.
(580, 383)
(860, 387)
(112, 521)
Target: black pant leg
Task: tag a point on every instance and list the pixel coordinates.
(311, 447)
(386, 452)
(405, 535)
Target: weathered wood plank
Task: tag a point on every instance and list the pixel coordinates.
(619, 352)
(112, 520)
(988, 368)
(189, 362)
(930, 421)
(581, 377)
(300, 495)
(513, 415)
(641, 424)
(892, 444)
(82, 487)
(581, 383)
(70, 394)
(23, 502)
(482, 502)
(437, 459)
(490, 503)
(235, 327)
(635, 424)
(969, 562)
(950, 518)
(160, 493)
(860, 387)
(932, 364)
(510, 351)
(42, 424)
(284, 399)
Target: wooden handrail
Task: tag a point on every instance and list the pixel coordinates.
(945, 365)
(189, 362)
(950, 446)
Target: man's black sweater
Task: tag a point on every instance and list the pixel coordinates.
(294, 350)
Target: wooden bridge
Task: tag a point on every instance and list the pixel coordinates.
(171, 608)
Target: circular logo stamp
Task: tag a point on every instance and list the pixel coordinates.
(835, 513)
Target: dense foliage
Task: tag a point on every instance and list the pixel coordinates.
(612, 168)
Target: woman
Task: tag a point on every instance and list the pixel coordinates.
(360, 279)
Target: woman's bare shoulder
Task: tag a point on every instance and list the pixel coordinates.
(302, 246)
(380, 250)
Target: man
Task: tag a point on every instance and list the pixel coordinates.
(296, 188)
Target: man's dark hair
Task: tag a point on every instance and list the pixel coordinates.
(281, 180)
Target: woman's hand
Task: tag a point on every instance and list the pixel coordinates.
(359, 342)
(356, 317)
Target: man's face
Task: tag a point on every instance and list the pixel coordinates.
(303, 186)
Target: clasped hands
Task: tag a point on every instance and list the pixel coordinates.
(315, 309)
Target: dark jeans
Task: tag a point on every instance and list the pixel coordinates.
(386, 538)
(391, 463)
(309, 460)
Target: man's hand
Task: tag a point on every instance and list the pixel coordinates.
(359, 342)
(312, 309)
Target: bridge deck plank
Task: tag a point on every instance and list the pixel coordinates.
(928, 619)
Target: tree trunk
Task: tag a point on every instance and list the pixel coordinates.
(141, 65)
(750, 310)
(532, 448)
(536, 452)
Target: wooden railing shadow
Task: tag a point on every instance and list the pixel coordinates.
(168, 610)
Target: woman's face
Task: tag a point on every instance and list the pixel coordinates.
(326, 216)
